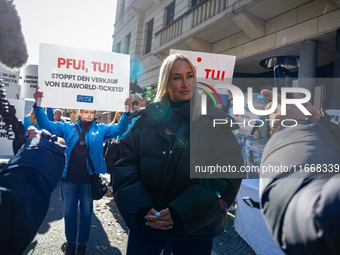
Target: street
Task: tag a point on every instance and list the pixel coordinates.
(109, 232)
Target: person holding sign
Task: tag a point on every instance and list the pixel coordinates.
(76, 178)
(153, 190)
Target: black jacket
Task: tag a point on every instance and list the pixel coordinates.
(154, 174)
(111, 153)
(26, 184)
(299, 230)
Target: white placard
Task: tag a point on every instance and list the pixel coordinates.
(28, 80)
(11, 80)
(218, 67)
(77, 78)
(6, 144)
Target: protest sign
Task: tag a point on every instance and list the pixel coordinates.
(10, 78)
(77, 78)
(212, 69)
(28, 80)
(217, 67)
(6, 144)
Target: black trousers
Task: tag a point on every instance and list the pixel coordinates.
(140, 243)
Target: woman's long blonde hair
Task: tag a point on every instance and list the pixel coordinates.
(32, 117)
(115, 121)
(164, 77)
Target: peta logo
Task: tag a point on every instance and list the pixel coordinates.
(84, 99)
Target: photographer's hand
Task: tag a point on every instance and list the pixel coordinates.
(33, 132)
(292, 112)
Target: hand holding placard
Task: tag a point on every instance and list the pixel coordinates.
(38, 96)
(128, 105)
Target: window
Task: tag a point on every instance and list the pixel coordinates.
(127, 44)
(118, 47)
(170, 13)
(149, 30)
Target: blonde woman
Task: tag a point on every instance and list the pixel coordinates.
(153, 190)
(30, 119)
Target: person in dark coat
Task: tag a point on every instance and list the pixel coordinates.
(26, 184)
(153, 190)
(111, 149)
(301, 205)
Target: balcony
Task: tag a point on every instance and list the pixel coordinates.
(248, 29)
(142, 5)
(208, 10)
(198, 28)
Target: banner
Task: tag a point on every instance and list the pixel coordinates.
(76, 78)
(212, 69)
(6, 144)
(28, 80)
(11, 80)
(217, 67)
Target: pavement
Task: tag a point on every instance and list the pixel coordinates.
(109, 232)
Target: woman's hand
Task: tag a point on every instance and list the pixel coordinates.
(38, 95)
(159, 220)
(128, 105)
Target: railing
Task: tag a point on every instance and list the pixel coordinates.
(172, 31)
(200, 13)
(207, 10)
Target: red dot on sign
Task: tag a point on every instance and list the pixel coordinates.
(199, 59)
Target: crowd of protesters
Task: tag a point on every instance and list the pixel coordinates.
(149, 155)
(149, 159)
(153, 190)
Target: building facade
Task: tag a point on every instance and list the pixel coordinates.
(302, 34)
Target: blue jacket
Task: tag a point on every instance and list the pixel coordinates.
(27, 122)
(94, 137)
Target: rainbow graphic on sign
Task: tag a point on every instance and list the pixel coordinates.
(209, 93)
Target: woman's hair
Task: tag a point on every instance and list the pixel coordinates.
(32, 118)
(115, 118)
(256, 130)
(164, 77)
